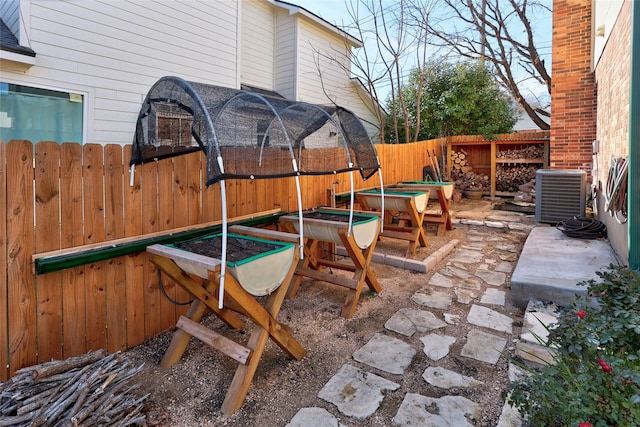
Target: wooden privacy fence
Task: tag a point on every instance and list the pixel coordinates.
(66, 196)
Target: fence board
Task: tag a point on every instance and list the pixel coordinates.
(134, 267)
(73, 292)
(47, 238)
(115, 275)
(94, 230)
(171, 213)
(21, 296)
(4, 321)
(211, 202)
(149, 188)
(186, 211)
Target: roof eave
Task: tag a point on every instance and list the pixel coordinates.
(294, 9)
(16, 60)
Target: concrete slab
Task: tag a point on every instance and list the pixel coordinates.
(447, 411)
(551, 265)
(386, 353)
(355, 392)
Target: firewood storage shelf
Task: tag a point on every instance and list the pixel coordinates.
(488, 151)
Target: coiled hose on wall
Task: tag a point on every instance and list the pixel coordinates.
(615, 195)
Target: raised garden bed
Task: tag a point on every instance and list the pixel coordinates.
(258, 265)
(325, 226)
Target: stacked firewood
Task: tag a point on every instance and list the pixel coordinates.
(90, 390)
(463, 174)
(528, 152)
(509, 178)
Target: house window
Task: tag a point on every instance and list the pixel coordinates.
(40, 114)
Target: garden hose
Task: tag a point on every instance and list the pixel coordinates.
(583, 228)
(615, 196)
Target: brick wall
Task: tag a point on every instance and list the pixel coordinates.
(573, 90)
(613, 76)
(613, 79)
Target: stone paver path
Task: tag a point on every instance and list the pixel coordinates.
(470, 286)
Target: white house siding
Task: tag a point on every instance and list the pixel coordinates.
(257, 44)
(316, 45)
(362, 106)
(113, 51)
(285, 55)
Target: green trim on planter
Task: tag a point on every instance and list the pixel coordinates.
(281, 246)
(61, 262)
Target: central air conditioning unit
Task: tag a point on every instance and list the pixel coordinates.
(560, 194)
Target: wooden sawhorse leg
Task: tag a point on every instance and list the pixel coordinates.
(444, 219)
(239, 300)
(362, 272)
(361, 268)
(309, 261)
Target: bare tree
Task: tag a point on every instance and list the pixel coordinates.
(392, 43)
(500, 33)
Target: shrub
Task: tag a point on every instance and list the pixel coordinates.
(594, 379)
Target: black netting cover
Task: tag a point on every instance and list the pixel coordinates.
(249, 135)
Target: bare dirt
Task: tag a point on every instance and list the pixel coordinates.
(191, 392)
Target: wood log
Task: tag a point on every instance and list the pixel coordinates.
(51, 368)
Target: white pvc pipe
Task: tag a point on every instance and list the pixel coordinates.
(300, 219)
(382, 200)
(351, 201)
(223, 267)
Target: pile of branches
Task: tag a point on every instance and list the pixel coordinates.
(90, 390)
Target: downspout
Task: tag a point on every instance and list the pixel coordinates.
(633, 179)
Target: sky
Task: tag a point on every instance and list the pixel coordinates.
(335, 12)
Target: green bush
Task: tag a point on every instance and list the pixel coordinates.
(594, 379)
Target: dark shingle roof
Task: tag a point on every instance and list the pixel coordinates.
(9, 42)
